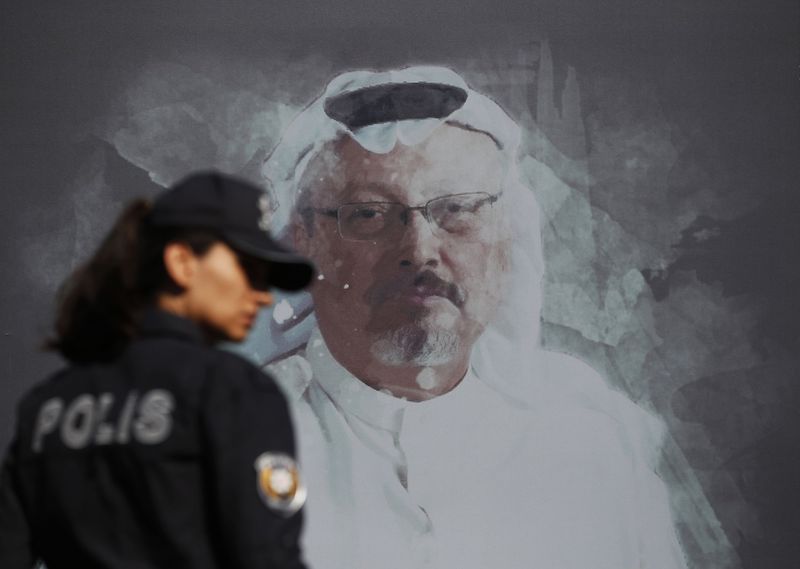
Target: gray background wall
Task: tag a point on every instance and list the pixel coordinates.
(672, 259)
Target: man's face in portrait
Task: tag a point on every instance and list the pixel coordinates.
(406, 287)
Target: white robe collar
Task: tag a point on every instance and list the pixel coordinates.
(373, 406)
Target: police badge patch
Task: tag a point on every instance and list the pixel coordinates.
(279, 483)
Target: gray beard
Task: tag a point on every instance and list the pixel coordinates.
(413, 345)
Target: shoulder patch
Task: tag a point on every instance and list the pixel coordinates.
(279, 484)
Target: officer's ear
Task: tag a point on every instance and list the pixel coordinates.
(180, 263)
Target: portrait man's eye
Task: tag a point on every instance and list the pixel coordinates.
(461, 213)
(362, 221)
(366, 213)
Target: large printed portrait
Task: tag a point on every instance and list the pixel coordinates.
(554, 321)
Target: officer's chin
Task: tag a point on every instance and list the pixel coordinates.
(232, 334)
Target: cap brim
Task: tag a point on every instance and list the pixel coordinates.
(290, 276)
(287, 270)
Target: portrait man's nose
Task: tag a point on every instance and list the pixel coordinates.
(420, 243)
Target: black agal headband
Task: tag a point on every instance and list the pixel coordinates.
(391, 102)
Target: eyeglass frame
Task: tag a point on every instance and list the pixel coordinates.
(407, 209)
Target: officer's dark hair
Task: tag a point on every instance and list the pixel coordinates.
(98, 306)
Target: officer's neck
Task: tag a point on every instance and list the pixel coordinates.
(178, 305)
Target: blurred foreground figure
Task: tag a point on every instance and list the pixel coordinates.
(153, 448)
(434, 429)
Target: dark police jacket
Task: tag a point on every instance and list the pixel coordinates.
(174, 455)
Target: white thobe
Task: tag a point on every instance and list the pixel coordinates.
(469, 479)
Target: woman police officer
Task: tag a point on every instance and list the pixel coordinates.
(153, 448)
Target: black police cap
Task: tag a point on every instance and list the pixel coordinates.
(239, 213)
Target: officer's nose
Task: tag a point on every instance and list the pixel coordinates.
(419, 245)
(263, 297)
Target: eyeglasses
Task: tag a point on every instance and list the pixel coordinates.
(379, 221)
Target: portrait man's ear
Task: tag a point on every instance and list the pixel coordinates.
(300, 232)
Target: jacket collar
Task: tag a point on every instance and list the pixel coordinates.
(157, 322)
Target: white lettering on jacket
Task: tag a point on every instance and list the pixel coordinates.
(88, 419)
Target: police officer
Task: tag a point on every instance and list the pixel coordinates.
(153, 448)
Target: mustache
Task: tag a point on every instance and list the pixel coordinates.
(426, 282)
